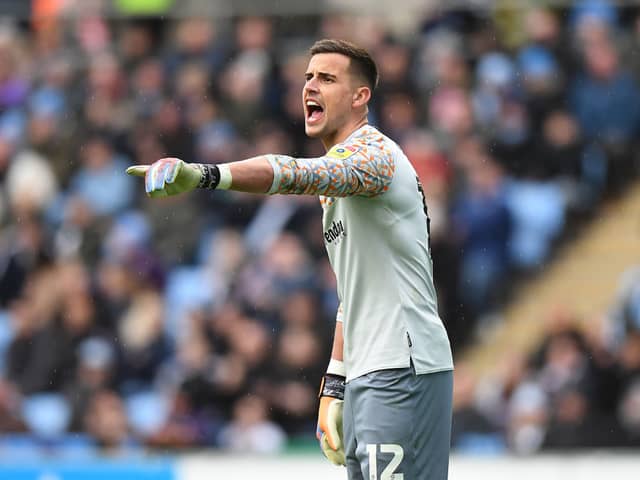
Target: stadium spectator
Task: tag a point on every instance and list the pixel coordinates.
(250, 430)
(106, 421)
(472, 430)
(605, 100)
(483, 224)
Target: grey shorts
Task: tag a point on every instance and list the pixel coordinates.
(397, 425)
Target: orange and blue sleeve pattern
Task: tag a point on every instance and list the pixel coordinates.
(348, 169)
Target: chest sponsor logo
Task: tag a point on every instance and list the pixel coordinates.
(335, 233)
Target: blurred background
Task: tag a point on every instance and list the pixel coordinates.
(147, 330)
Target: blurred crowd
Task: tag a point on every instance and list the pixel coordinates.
(578, 389)
(206, 319)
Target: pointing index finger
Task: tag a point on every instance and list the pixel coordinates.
(137, 170)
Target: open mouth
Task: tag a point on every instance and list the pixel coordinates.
(314, 111)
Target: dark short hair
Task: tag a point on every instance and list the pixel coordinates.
(361, 62)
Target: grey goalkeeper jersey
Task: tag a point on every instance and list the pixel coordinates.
(376, 235)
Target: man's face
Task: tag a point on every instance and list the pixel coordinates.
(327, 94)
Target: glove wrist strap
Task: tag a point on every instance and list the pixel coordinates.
(210, 177)
(332, 386)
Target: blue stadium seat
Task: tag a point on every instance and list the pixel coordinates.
(147, 411)
(46, 414)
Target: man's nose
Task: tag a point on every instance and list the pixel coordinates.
(311, 85)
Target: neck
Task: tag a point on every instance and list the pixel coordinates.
(342, 134)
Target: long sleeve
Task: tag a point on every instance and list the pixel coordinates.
(348, 169)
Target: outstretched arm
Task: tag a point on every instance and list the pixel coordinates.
(170, 176)
(335, 175)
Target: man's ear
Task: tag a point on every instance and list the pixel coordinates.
(361, 96)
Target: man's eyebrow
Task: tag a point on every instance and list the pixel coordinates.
(322, 75)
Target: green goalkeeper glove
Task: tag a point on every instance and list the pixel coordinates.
(329, 430)
(171, 176)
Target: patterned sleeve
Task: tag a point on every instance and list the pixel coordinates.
(346, 170)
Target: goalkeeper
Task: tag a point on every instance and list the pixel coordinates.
(385, 401)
